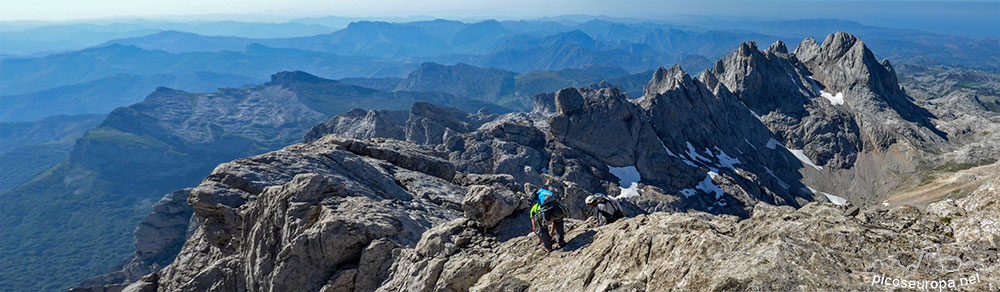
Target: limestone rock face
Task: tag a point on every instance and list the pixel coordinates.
(814, 248)
(716, 174)
(164, 230)
(841, 112)
(843, 64)
(488, 205)
(702, 252)
(791, 107)
(424, 123)
(511, 145)
(430, 124)
(300, 219)
(601, 122)
(361, 124)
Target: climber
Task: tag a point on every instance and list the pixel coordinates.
(547, 219)
(606, 209)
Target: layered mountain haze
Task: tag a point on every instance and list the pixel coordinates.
(170, 140)
(775, 159)
(254, 61)
(231, 54)
(495, 85)
(103, 95)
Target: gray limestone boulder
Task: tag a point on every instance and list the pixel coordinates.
(489, 204)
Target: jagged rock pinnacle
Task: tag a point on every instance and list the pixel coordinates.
(778, 47)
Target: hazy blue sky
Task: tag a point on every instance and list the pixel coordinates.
(898, 13)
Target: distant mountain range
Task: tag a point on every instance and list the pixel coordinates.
(499, 86)
(19, 76)
(103, 95)
(372, 49)
(34, 38)
(667, 40)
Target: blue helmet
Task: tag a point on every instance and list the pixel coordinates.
(543, 195)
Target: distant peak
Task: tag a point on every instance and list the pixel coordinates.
(576, 34)
(667, 79)
(747, 48)
(778, 47)
(603, 84)
(840, 42)
(708, 79)
(807, 49)
(295, 76)
(809, 41)
(844, 35)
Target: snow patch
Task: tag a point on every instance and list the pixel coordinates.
(804, 159)
(688, 192)
(691, 152)
(836, 200)
(631, 191)
(708, 185)
(834, 99)
(773, 144)
(725, 160)
(751, 144)
(627, 176)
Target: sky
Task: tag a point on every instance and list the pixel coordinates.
(926, 15)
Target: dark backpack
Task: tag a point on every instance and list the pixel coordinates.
(610, 217)
(551, 209)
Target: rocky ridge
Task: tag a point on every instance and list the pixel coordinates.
(171, 141)
(439, 202)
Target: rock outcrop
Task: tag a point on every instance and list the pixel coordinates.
(843, 64)
(424, 123)
(361, 124)
(697, 163)
(320, 205)
(839, 110)
(791, 107)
